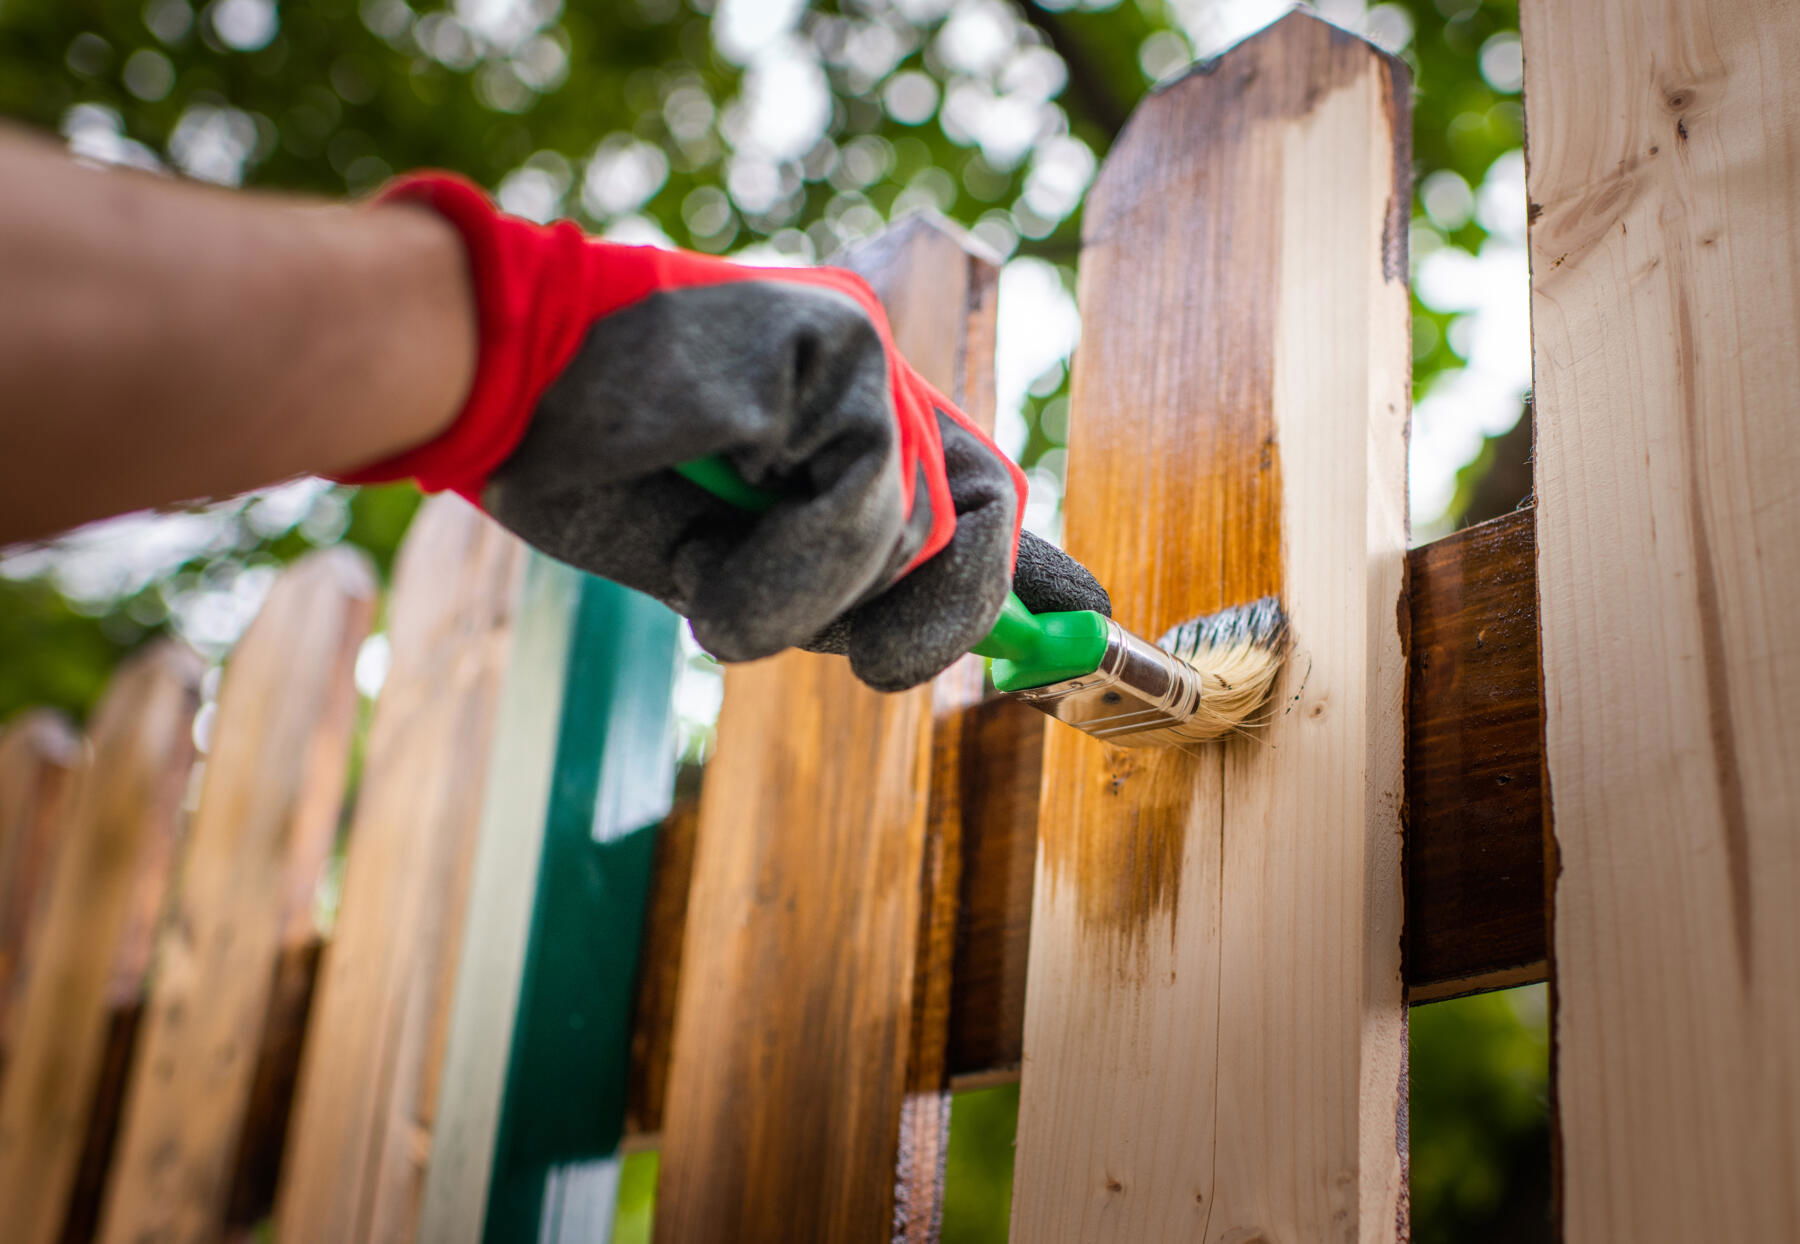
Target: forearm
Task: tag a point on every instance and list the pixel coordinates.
(161, 341)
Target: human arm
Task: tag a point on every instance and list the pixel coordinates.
(162, 341)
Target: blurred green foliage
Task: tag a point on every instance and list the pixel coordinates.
(664, 116)
(978, 1174)
(1480, 1119)
(637, 1199)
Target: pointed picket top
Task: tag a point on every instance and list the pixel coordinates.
(1279, 71)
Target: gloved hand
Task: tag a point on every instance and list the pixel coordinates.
(602, 366)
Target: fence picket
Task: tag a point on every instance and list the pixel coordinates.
(1214, 1019)
(1664, 186)
(813, 1001)
(112, 864)
(367, 1096)
(268, 810)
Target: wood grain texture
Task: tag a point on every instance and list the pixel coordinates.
(268, 810)
(806, 1095)
(37, 751)
(1214, 1025)
(368, 1089)
(111, 868)
(1475, 885)
(1665, 241)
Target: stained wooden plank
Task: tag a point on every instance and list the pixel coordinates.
(37, 751)
(1214, 1024)
(368, 1090)
(806, 1085)
(1475, 884)
(1665, 238)
(910, 266)
(268, 810)
(110, 874)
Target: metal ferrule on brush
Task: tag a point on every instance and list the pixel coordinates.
(1139, 696)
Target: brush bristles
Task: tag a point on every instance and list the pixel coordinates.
(1238, 653)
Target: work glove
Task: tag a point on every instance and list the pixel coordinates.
(603, 366)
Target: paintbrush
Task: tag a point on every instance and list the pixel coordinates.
(1202, 681)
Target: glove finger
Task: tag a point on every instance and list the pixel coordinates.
(934, 615)
(1048, 580)
(777, 580)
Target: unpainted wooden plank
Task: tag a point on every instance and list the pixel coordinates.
(1214, 1025)
(806, 1096)
(368, 1087)
(268, 809)
(116, 842)
(1664, 185)
(1475, 884)
(37, 750)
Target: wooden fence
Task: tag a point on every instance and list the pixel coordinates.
(1199, 962)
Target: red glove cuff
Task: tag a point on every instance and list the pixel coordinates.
(523, 341)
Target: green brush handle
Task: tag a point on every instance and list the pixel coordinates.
(1028, 649)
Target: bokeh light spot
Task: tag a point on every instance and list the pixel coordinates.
(910, 98)
(244, 25)
(148, 75)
